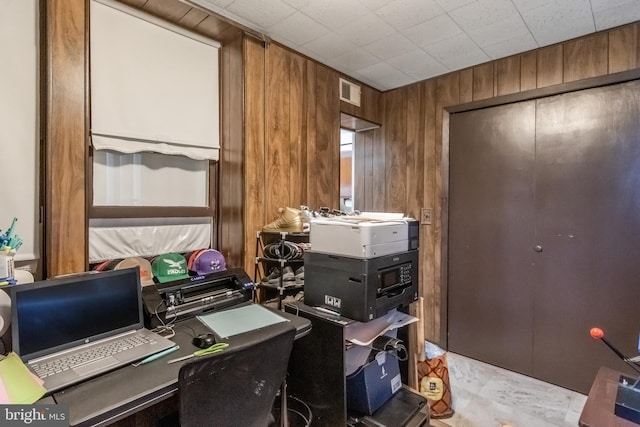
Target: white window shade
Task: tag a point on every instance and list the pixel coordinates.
(129, 237)
(153, 87)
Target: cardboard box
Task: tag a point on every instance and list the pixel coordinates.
(374, 383)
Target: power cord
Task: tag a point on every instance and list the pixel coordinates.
(164, 327)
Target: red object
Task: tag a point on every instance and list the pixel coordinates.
(598, 333)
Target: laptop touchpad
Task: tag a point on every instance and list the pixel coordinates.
(98, 365)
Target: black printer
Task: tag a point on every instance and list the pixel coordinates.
(181, 299)
(361, 289)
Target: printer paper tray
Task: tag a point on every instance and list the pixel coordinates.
(368, 251)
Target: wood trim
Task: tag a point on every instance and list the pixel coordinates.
(254, 150)
(604, 80)
(586, 57)
(395, 134)
(624, 48)
(528, 71)
(227, 191)
(549, 68)
(65, 145)
(483, 81)
(508, 75)
(153, 211)
(466, 85)
(277, 127)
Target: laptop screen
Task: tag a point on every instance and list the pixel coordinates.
(57, 314)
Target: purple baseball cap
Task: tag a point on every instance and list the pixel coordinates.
(209, 261)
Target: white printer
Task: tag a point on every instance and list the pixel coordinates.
(363, 237)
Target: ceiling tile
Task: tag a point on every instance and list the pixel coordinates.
(482, 13)
(385, 76)
(213, 4)
(407, 13)
(433, 31)
(374, 4)
(507, 29)
(262, 13)
(311, 54)
(559, 20)
(509, 47)
(334, 14)
(600, 5)
(418, 64)
(354, 60)
(366, 29)
(449, 5)
(296, 30)
(391, 46)
(298, 4)
(621, 12)
(524, 5)
(457, 52)
(330, 46)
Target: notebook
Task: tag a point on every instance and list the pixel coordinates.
(72, 328)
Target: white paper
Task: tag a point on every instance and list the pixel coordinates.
(355, 357)
(365, 333)
(382, 216)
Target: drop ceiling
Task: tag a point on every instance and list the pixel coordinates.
(392, 43)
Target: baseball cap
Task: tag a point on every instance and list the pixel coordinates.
(146, 278)
(169, 267)
(192, 257)
(208, 261)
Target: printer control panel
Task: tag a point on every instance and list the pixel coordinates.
(396, 276)
(405, 273)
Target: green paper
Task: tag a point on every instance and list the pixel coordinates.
(20, 383)
(238, 320)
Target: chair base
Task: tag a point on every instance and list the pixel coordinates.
(299, 413)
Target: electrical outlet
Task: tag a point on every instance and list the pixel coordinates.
(426, 216)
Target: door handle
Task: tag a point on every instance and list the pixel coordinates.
(537, 248)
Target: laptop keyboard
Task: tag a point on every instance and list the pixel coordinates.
(71, 361)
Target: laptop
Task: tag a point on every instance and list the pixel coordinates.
(72, 328)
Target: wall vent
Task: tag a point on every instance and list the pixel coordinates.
(349, 92)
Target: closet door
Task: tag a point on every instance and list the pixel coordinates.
(491, 235)
(588, 225)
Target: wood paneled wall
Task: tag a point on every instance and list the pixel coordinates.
(415, 135)
(65, 148)
(292, 134)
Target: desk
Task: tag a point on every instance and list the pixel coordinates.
(599, 407)
(125, 391)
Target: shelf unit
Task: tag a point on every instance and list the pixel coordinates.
(317, 376)
(264, 264)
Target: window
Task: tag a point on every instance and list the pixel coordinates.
(154, 134)
(347, 138)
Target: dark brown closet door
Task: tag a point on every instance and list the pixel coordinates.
(491, 205)
(588, 224)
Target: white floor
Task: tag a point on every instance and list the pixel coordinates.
(486, 396)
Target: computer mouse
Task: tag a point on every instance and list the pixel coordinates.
(204, 340)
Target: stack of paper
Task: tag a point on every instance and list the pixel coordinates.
(17, 384)
(360, 336)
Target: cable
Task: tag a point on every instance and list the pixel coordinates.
(164, 327)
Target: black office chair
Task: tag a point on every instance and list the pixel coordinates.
(238, 386)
